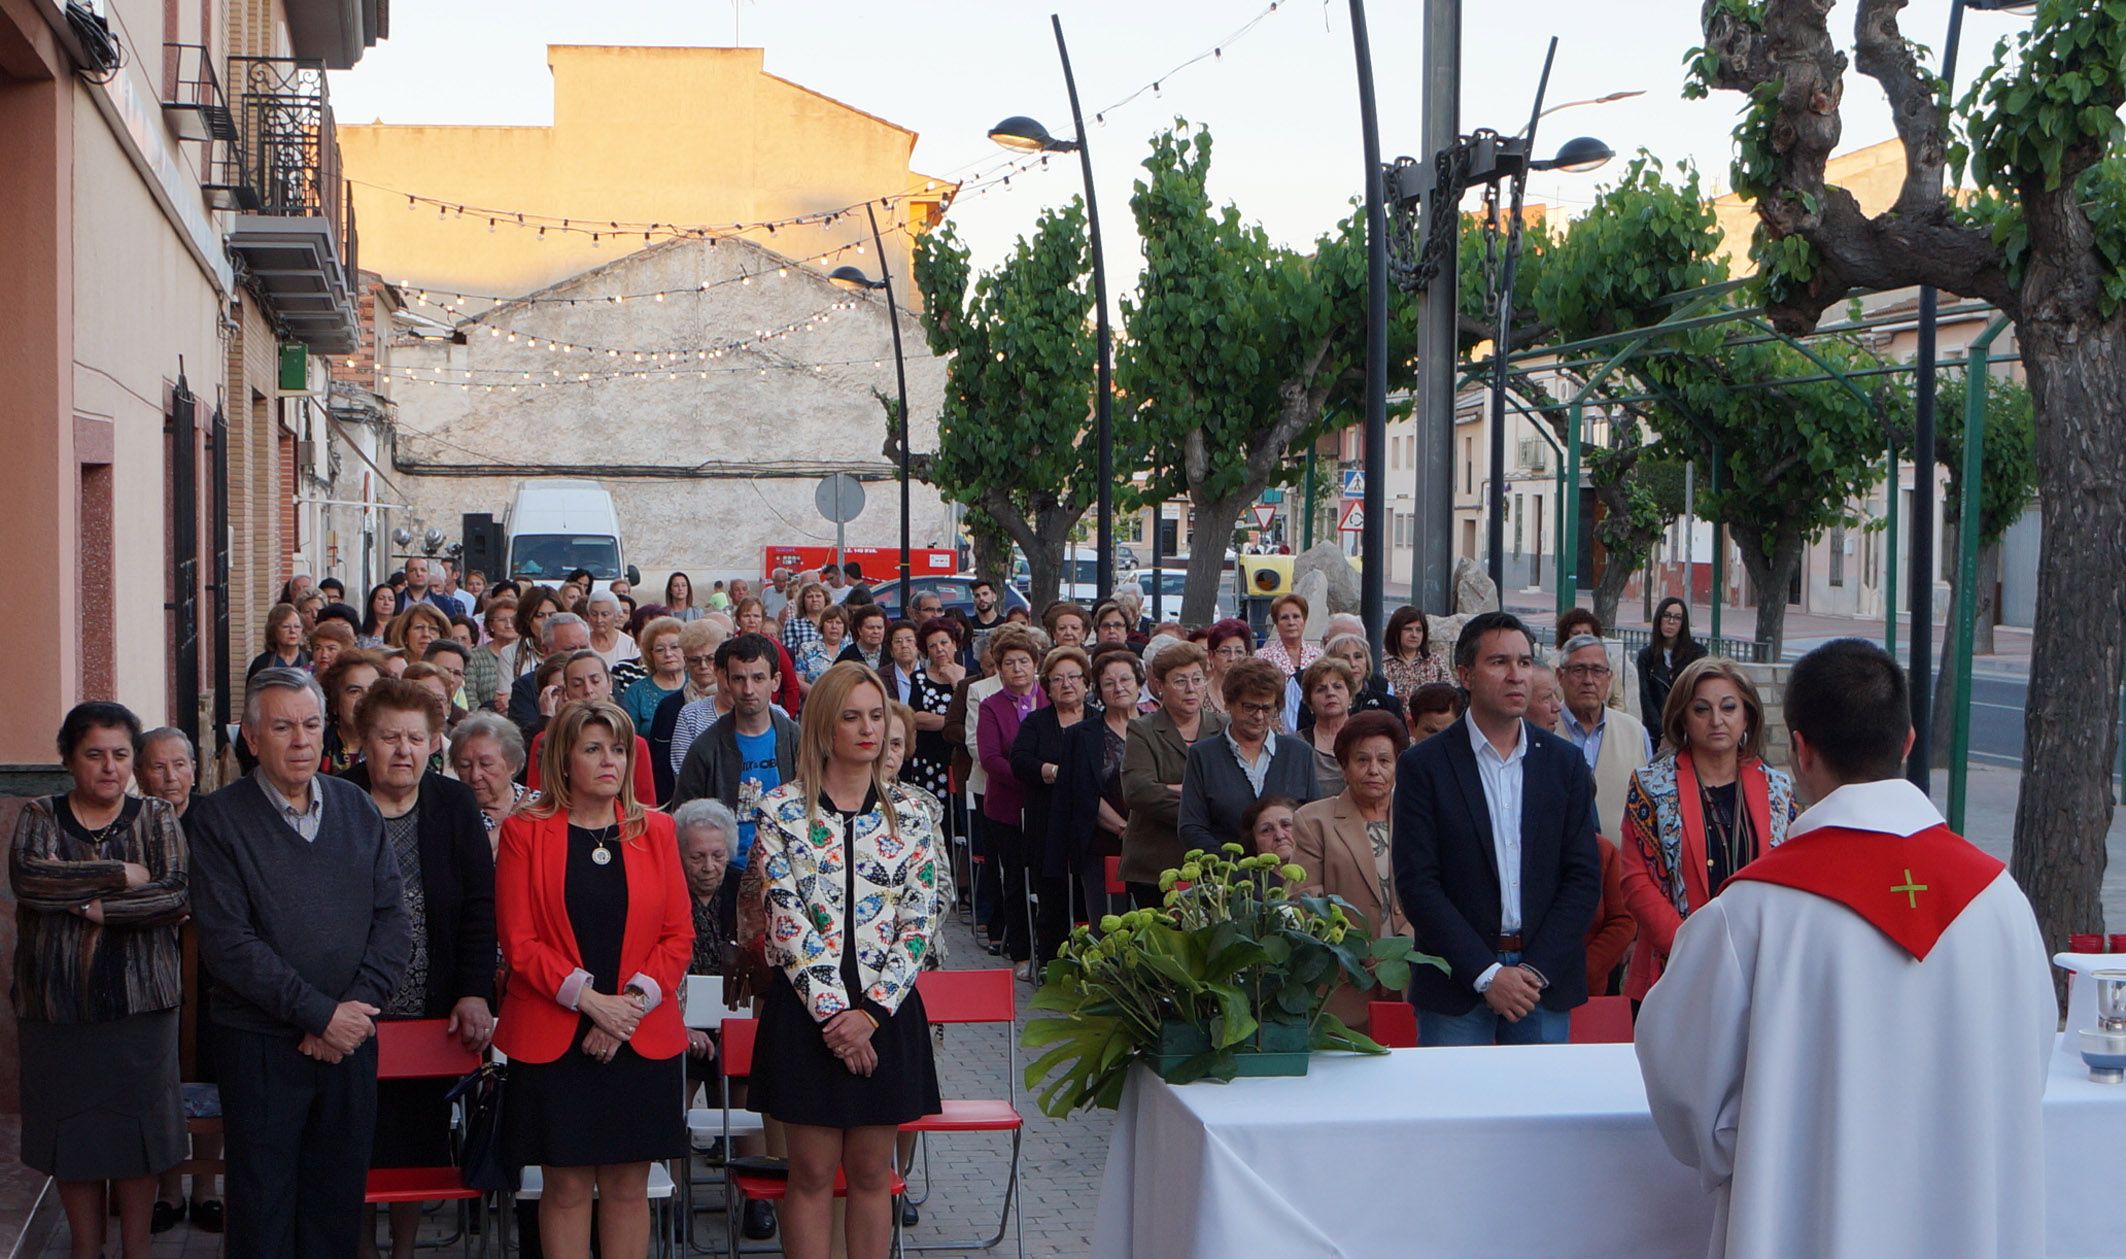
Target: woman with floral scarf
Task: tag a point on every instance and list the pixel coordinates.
(1698, 813)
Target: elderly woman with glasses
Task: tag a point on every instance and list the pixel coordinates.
(1224, 775)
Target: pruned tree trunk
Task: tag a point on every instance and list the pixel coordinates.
(1989, 588)
(1206, 558)
(992, 549)
(1945, 690)
(1609, 591)
(1041, 533)
(1771, 577)
(2070, 731)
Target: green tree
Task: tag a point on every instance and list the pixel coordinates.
(1237, 349)
(2046, 244)
(1018, 390)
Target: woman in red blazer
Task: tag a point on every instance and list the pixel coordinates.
(591, 906)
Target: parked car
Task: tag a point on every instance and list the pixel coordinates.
(955, 592)
(1173, 583)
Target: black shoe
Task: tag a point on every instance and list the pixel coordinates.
(207, 1216)
(910, 1217)
(165, 1216)
(760, 1220)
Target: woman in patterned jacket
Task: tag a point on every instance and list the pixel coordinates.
(1701, 811)
(844, 1055)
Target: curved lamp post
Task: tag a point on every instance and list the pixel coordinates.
(854, 278)
(1025, 135)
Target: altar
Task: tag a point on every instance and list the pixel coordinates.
(1538, 1150)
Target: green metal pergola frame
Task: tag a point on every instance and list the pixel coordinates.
(1689, 315)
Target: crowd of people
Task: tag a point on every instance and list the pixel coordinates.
(532, 811)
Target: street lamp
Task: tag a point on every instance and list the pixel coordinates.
(1488, 159)
(1025, 135)
(1919, 765)
(854, 278)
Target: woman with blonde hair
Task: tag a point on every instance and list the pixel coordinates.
(844, 1056)
(592, 909)
(1703, 809)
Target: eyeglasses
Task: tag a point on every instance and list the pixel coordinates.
(1058, 679)
(700, 662)
(1586, 670)
(1256, 710)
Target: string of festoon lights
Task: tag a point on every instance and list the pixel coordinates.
(661, 373)
(995, 173)
(460, 304)
(553, 345)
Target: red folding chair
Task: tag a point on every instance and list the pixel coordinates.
(742, 1186)
(1393, 1023)
(1602, 1021)
(422, 1049)
(977, 996)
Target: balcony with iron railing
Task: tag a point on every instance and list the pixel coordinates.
(298, 247)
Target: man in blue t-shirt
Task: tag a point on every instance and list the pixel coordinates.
(758, 774)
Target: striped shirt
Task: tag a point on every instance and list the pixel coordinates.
(69, 969)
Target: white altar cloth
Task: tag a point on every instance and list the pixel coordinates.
(1412, 1154)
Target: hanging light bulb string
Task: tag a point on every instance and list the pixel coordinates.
(453, 301)
(619, 230)
(1216, 52)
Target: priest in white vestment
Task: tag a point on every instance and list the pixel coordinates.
(1851, 1040)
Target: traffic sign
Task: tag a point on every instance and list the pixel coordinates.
(1355, 483)
(1352, 519)
(1264, 514)
(840, 498)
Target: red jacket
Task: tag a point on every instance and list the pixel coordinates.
(539, 947)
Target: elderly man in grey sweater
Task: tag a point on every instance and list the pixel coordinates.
(304, 933)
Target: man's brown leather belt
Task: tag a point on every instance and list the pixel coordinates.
(1509, 944)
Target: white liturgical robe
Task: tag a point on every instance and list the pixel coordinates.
(1845, 1096)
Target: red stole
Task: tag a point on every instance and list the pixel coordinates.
(1909, 887)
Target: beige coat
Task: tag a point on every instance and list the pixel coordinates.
(1330, 844)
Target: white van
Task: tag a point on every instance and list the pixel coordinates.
(557, 527)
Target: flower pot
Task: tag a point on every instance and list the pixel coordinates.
(1278, 1049)
(1275, 1049)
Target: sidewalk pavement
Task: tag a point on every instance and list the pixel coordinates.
(2011, 645)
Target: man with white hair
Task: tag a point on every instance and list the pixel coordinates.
(1612, 740)
(304, 932)
(562, 634)
(775, 596)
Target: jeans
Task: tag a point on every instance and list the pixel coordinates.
(1486, 1026)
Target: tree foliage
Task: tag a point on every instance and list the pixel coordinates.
(2008, 464)
(2044, 242)
(1237, 349)
(1018, 391)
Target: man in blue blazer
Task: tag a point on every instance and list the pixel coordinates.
(1495, 858)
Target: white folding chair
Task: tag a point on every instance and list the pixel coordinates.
(702, 1009)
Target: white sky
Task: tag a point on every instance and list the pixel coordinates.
(1281, 102)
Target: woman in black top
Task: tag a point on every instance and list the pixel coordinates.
(447, 877)
(1086, 808)
(99, 878)
(1664, 658)
(284, 642)
(1037, 754)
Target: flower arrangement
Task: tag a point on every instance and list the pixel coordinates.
(1231, 976)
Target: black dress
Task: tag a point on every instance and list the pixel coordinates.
(930, 764)
(797, 1079)
(577, 1111)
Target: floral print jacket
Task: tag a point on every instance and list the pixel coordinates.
(806, 878)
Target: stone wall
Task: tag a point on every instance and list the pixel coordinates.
(709, 456)
(1770, 681)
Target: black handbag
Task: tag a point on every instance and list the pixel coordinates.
(480, 1162)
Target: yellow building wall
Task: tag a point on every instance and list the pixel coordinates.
(1873, 174)
(657, 135)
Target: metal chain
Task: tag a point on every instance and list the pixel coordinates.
(1412, 263)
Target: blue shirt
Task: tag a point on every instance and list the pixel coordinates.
(758, 774)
